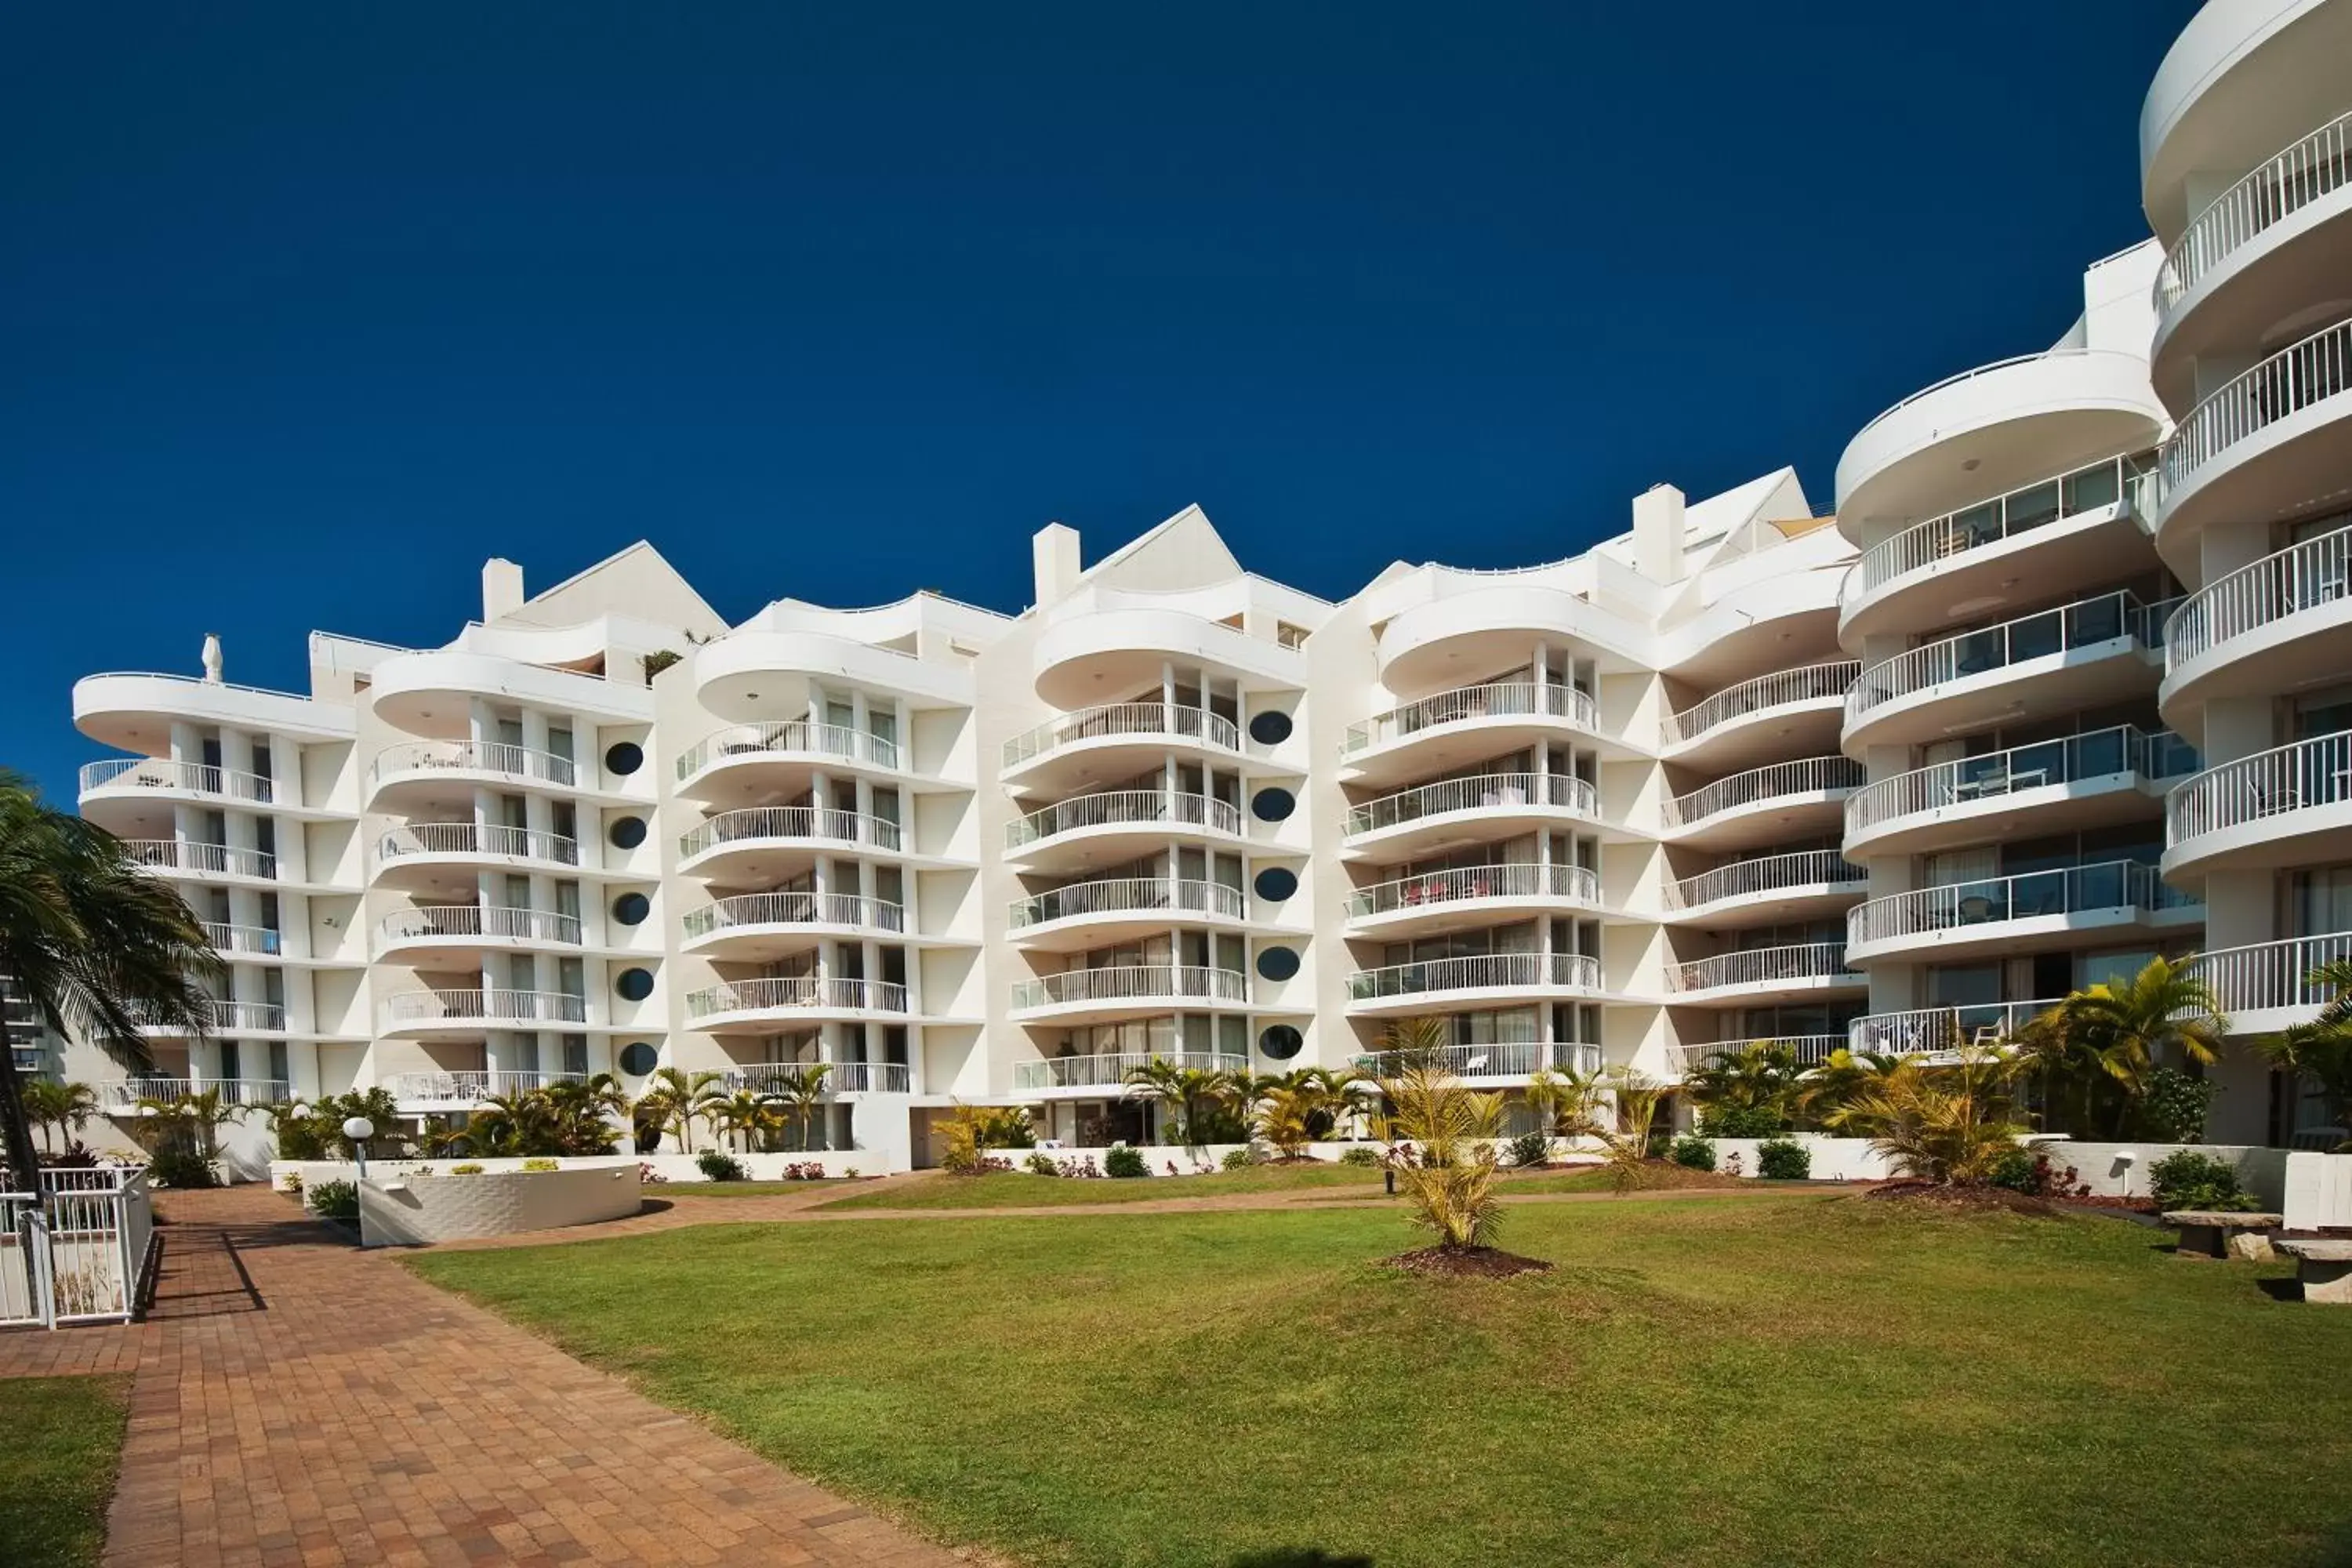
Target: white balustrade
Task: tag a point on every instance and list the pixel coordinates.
(786, 822)
(2099, 753)
(2300, 776)
(469, 1085)
(2305, 576)
(1766, 966)
(2062, 891)
(1476, 971)
(126, 1093)
(1498, 699)
(1768, 874)
(794, 909)
(1132, 981)
(1110, 1069)
(2274, 191)
(2295, 378)
(163, 773)
(474, 756)
(799, 991)
(1812, 683)
(490, 1007)
(796, 739)
(1812, 775)
(1124, 895)
(2108, 617)
(256, 940)
(1483, 792)
(1124, 806)
(1514, 879)
(435, 920)
(1139, 719)
(1806, 1050)
(1926, 1030)
(486, 838)
(2269, 976)
(201, 858)
(2117, 482)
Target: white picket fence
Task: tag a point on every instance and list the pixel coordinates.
(89, 1259)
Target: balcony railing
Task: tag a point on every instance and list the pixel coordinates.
(200, 858)
(1131, 895)
(1139, 719)
(797, 908)
(1132, 981)
(2269, 975)
(1486, 971)
(2298, 776)
(163, 772)
(1110, 1069)
(791, 738)
(1925, 1030)
(1124, 806)
(469, 1085)
(2065, 890)
(1814, 683)
(791, 822)
(1501, 700)
(125, 1093)
(244, 1017)
(2158, 754)
(2290, 381)
(1746, 878)
(2105, 618)
(1813, 776)
(840, 1077)
(1516, 879)
(798, 991)
(1809, 1050)
(477, 839)
(475, 920)
(488, 1007)
(474, 756)
(1484, 792)
(1968, 375)
(2305, 576)
(2275, 191)
(1766, 966)
(259, 940)
(2114, 481)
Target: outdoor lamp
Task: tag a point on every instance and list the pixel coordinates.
(359, 1129)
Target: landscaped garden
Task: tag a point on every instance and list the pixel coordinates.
(64, 1441)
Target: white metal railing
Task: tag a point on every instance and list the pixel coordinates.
(789, 738)
(465, 1086)
(810, 990)
(2277, 189)
(2062, 891)
(1483, 792)
(840, 1077)
(1925, 1030)
(1968, 375)
(1498, 699)
(2305, 576)
(761, 822)
(1125, 982)
(474, 920)
(2099, 753)
(2266, 976)
(1485, 971)
(1812, 683)
(259, 940)
(243, 1018)
(1514, 879)
(2107, 617)
(1765, 966)
(1812, 775)
(2297, 776)
(127, 1093)
(1770, 873)
(202, 859)
(1122, 895)
(1809, 1050)
(484, 1006)
(1173, 720)
(1110, 1069)
(474, 756)
(88, 1259)
(1114, 808)
(477, 839)
(1494, 1058)
(794, 909)
(2290, 381)
(2111, 482)
(163, 772)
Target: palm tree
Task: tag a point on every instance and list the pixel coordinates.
(1566, 1105)
(1824, 1091)
(1624, 1132)
(512, 1124)
(67, 1106)
(1947, 1123)
(198, 1116)
(2321, 1050)
(1752, 1091)
(802, 1091)
(94, 943)
(1449, 1178)
(675, 1101)
(1185, 1094)
(579, 1113)
(753, 1116)
(2115, 1034)
(1280, 1117)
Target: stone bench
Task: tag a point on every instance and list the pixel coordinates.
(2325, 1269)
(2205, 1233)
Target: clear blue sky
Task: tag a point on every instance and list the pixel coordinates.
(306, 309)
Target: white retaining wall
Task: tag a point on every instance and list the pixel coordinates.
(407, 1209)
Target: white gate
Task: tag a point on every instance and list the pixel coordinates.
(89, 1259)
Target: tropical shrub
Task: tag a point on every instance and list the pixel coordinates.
(719, 1166)
(959, 1135)
(1006, 1127)
(1124, 1161)
(1741, 1122)
(1781, 1160)
(1944, 1125)
(1080, 1169)
(542, 1165)
(1754, 1089)
(1451, 1131)
(1042, 1164)
(335, 1200)
(2173, 1108)
(1693, 1153)
(291, 1182)
(801, 1171)
(1529, 1150)
(180, 1166)
(468, 1168)
(1282, 1117)
(1239, 1159)
(2188, 1180)
(1360, 1154)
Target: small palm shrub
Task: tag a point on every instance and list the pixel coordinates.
(718, 1165)
(335, 1200)
(1239, 1159)
(1779, 1160)
(1006, 1127)
(1529, 1150)
(1042, 1164)
(1360, 1154)
(2188, 1180)
(541, 1165)
(1122, 1161)
(1693, 1153)
(178, 1166)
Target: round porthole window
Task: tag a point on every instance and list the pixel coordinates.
(1276, 883)
(1277, 962)
(1279, 1042)
(1272, 804)
(624, 757)
(626, 832)
(631, 909)
(1270, 728)
(634, 984)
(638, 1058)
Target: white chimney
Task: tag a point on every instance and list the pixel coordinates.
(1054, 551)
(501, 588)
(1658, 534)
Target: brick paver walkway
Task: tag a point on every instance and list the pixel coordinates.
(297, 1401)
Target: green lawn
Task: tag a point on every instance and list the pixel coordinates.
(1802, 1378)
(60, 1442)
(1018, 1189)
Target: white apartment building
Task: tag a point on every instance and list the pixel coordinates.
(2063, 684)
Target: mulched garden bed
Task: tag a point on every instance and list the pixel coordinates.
(1978, 1199)
(1473, 1262)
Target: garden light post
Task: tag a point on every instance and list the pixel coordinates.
(359, 1129)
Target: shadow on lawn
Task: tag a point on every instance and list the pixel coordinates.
(1296, 1557)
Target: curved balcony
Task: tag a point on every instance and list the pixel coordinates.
(2281, 623)
(2032, 911)
(2266, 986)
(467, 762)
(1442, 900)
(1757, 975)
(436, 928)
(153, 778)
(223, 1016)
(765, 840)
(1458, 727)
(779, 755)
(1482, 808)
(466, 1013)
(2291, 805)
(1492, 979)
(127, 1094)
(1789, 709)
(761, 1006)
(1809, 1050)
(1091, 1075)
(1497, 1061)
(1076, 995)
(465, 1089)
(754, 926)
(189, 857)
(1116, 825)
(244, 942)
(421, 848)
(2084, 655)
(1781, 801)
(2261, 445)
(134, 711)
(2052, 786)
(1929, 1031)
(1116, 740)
(1088, 914)
(2079, 529)
(840, 1077)
(1772, 891)
(1102, 639)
